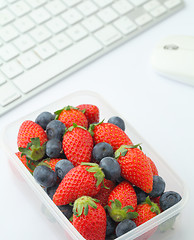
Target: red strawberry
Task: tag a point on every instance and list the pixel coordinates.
(146, 211)
(80, 181)
(157, 201)
(31, 141)
(110, 133)
(122, 202)
(89, 218)
(24, 161)
(135, 167)
(104, 192)
(91, 112)
(51, 162)
(28, 130)
(69, 115)
(153, 167)
(77, 145)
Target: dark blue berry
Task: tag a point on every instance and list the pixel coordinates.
(53, 148)
(55, 129)
(158, 187)
(44, 118)
(63, 167)
(118, 122)
(102, 150)
(67, 210)
(51, 190)
(110, 225)
(141, 195)
(45, 176)
(111, 168)
(168, 199)
(124, 227)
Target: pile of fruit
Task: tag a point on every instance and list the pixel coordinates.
(102, 182)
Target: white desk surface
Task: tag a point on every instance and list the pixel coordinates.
(161, 110)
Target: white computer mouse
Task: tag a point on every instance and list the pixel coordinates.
(173, 57)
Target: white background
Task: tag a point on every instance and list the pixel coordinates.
(162, 110)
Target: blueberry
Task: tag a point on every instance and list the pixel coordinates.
(168, 199)
(45, 176)
(63, 167)
(110, 226)
(44, 118)
(55, 129)
(67, 210)
(141, 195)
(53, 148)
(51, 190)
(111, 168)
(158, 187)
(102, 150)
(124, 227)
(117, 121)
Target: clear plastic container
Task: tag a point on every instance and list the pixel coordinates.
(160, 225)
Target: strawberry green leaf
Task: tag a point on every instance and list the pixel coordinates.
(81, 205)
(94, 168)
(118, 213)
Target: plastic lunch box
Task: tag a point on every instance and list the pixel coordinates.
(55, 218)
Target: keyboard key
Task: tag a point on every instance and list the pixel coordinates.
(158, 11)
(6, 17)
(28, 60)
(122, 6)
(2, 4)
(24, 43)
(24, 24)
(103, 3)
(12, 69)
(40, 15)
(8, 33)
(108, 35)
(107, 15)
(125, 25)
(71, 3)
(36, 3)
(77, 32)
(55, 7)
(172, 3)
(2, 79)
(61, 41)
(40, 34)
(8, 52)
(138, 2)
(8, 94)
(72, 16)
(92, 23)
(87, 8)
(45, 50)
(20, 8)
(65, 60)
(151, 5)
(143, 19)
(56, 25)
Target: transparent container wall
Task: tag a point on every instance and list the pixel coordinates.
(157, 227)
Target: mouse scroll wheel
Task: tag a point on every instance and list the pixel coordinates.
(171, 47)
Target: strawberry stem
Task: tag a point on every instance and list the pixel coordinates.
(117, 213)
(98, 173)
(92, 126)
(122, 151)
(67, 108)
(34, 151)
(81, 205)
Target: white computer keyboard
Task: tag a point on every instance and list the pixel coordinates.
(42, 41)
